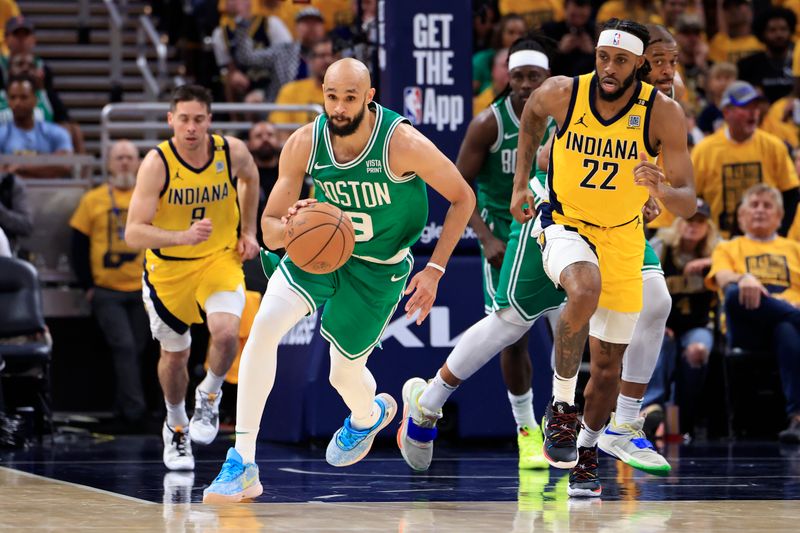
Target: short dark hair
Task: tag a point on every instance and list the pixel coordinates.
(22, 78)
(760, 24)
(190, 93)
(533, 40)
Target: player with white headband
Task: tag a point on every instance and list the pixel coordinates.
(516, 290)
(610, 128)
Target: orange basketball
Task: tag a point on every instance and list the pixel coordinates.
(320, 238)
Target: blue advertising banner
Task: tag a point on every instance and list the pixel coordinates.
(425, 65)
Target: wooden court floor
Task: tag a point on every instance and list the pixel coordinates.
(120, 485)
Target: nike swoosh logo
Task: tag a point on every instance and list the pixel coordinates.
(508, 136)
(396, 278)
(317, 166)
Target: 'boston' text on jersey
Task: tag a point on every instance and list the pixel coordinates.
(356, 194)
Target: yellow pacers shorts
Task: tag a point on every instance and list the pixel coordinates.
(179, 289)
(620, 254)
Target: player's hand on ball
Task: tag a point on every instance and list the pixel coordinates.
(423, 286)
(298, 205)
(647, 174)
(522, 205)
(198, 232)
(247, 247)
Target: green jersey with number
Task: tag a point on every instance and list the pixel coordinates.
(495, 180)
(388, 212)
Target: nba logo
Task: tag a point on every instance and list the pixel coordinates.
(412, 104)
(616, 38)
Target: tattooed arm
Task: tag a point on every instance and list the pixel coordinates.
(550, 99)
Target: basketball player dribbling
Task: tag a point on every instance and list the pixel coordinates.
(610, 126)
(371, 163)
(186, 210)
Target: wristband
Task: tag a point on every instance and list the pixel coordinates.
(440, 268)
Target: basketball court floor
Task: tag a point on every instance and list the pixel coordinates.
(102, 483)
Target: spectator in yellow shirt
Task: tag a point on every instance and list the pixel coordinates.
(111, 273)
(735, 39)
(305, 91)
(738, 156)
(759, 274)
(535, 12)
(8, 9)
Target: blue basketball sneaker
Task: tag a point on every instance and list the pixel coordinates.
(348, 445)
(235, 482)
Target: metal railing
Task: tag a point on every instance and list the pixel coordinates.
(147, 36)
(128, 117)
(76, 161)
(116, 21)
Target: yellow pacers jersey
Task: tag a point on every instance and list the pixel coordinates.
(191, 194)
(725, 169)
(101, 216)
(590, 176)
(776, 264)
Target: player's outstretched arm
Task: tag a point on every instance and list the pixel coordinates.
(675, 188)
(552, 95)
(412, 152)
(284, 200)
(139, 230)
(246, 172)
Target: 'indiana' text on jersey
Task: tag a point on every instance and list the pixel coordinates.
(388, 212)
(191, 194)
(590, 177)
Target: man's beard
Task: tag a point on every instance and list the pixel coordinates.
(124, 181)
(610, 97)
(265, 152)
(347, 129)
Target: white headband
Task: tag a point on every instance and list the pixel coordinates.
(524, 58)
(621, 39)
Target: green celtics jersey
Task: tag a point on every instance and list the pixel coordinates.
(495, 180)
(388, 212)
(539, 180)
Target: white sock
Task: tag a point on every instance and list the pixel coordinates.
(176, 414)
(522, 407)
(436, 394)
(356, 385)
(281, 308)
(368, 421)
(587, 437)
(627, 409)
(564, 388)
(212, 383)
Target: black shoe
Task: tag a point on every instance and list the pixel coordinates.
(583, 480)
(560, 428)
(791, 435)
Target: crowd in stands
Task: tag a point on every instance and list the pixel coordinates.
(733, 269)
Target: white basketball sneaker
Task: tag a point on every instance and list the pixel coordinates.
(628, 443)
(177, 448)
(204, 425)
(418, 428)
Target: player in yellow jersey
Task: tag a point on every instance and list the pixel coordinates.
(194, 209)
(600, 175)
